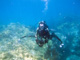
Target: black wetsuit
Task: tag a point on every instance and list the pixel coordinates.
(43, 31)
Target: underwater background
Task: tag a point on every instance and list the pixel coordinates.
(20, 18)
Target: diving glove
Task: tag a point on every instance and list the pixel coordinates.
(61, 45)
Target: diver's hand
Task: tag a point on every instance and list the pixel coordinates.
(19, 40)
(35, 36)
(61, 45)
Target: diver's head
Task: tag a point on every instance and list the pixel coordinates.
(42, 25)
(42, 22)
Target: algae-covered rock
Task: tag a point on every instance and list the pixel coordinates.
(14, 48)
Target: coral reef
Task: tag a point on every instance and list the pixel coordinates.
(72, 41)
(14, 48)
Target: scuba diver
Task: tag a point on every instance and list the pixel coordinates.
(43, 34)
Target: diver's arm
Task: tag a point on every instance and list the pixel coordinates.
(37, 32)
(53, 34)
(58, 39)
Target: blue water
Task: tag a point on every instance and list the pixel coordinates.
(25, 11)
(61, 15)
